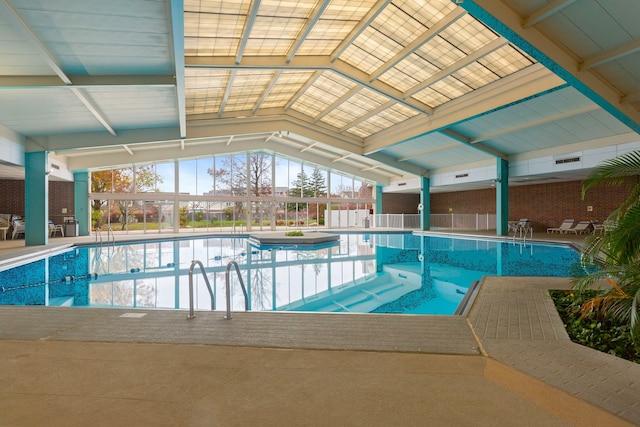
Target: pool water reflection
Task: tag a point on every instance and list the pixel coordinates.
(374, 272)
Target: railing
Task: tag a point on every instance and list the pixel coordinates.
(521, 229)
(109, 233)
(99, 238)
(228, 288)
(113, 236)
(206, 280)
(453, 221)
(397, 221)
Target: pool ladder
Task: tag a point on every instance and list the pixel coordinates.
(227, 287)
(109, 234)
(98, 252)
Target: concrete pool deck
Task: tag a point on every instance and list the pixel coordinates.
(508, 362)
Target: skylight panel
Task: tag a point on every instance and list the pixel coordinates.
(475, 75)
(285, 88)
(372, 125)
(398, 113)
(354, 108)
(337, 119)
(212, 33)
(272, 35)
(426, 12)
(361, 59)
(227, 7)
(399, 78)
(451, 87)
(277, 25)
(325, 36)
(431, 97)
(396, 24)
(506, 60)
(287, 8)
(369, 97)
(336, 22)
(367, 128)
(333, 85)
(248, 88)
(468, 34)
(408, 73)
(214, 47)
(204, 90)
(348, 10)
(440, 52)
(326, 90)
(190, 46)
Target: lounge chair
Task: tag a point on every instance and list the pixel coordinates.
(598, 227)
(18, 228)
(566, 225)
(55, 228)
(4, 226)
(580, 228)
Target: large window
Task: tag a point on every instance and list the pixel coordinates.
(228, 192)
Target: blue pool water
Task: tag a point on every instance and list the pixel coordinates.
(381, 273)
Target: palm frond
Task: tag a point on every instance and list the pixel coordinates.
(624, 239)
(614, 171)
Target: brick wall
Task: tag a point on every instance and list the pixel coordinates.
(395, 203)
(12, 197)
(60, 196)
(546, 205)
(464, 202)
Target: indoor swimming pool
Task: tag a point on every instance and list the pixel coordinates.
(403, 273)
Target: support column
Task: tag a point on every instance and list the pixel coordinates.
(176, 201)
(36, 198)
(425, 203)
(81, 202)
(328, 216)
(377, 209)
(502, 197)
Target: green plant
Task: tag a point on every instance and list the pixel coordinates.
(613, 256)
(96, 218)
(184, 214)
(608, 335)
(294, 233)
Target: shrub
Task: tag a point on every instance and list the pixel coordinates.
(603, 334)
(294, 233)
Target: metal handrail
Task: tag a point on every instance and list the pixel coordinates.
(206, 280)
(113, 236)
(522, 228)
(228, 288)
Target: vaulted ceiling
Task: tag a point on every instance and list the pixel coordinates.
(381, 89)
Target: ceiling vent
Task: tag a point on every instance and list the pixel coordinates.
(567, 160)
(462, 175)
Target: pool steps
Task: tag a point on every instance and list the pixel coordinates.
(362, 295)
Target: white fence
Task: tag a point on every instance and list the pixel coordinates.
(399, 221)
(438, 221)
(341, 218)
(463, 221)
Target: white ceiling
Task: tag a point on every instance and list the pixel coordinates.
(383, 90)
